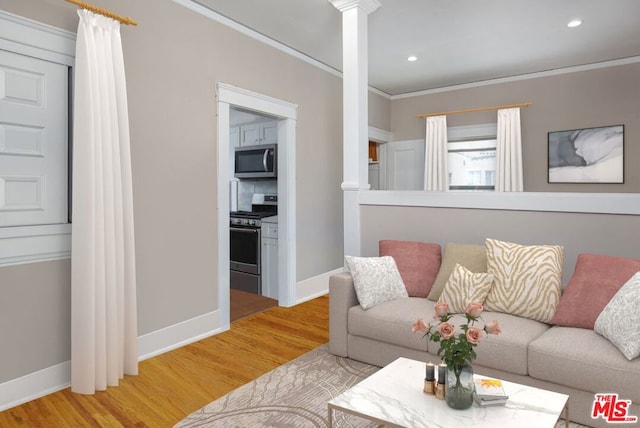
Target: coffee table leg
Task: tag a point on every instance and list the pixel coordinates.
(330, 416)
(566, 415)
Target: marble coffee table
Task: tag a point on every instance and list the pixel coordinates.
(394, 397)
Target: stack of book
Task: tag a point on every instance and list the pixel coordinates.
(489, 392)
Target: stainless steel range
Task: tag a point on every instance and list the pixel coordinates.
(245, 244)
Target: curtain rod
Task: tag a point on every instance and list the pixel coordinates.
(105, 12)
(469, 110)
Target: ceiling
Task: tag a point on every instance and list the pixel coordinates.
(456, 41)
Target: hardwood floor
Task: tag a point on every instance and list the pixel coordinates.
(174, 384)
(244, 304)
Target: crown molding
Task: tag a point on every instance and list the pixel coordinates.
(537, 75)
(368, 6)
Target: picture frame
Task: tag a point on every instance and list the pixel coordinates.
(587, 155)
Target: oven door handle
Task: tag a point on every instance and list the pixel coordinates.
(244, 230)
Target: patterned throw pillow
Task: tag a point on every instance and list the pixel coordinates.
(464, 287)
(527, 279)
(619, 321)
(376, 280)
(471, 256)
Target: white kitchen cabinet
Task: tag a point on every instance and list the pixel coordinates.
(234, 137)
(270, 259)
(258, 133)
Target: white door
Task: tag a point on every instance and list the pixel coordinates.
(33, 141)
(404, 163)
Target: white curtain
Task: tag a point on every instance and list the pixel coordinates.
(103, 286)
(435, 167)
(509, 151)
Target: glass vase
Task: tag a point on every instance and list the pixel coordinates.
(458, 389)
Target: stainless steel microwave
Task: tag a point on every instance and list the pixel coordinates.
(259, 161)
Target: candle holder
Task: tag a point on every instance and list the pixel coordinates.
(440, 391)
(429, 387)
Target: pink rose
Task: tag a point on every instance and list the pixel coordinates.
(420, 326)
(474, 309)
(474, 334)
(446, 330)
(493, 327)
(442, 309)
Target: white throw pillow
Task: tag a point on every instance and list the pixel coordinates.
(619, 321)
(376, 280)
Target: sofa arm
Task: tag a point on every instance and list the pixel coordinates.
(342, 296)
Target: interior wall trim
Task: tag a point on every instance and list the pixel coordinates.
(32, 38)
(316, 286)
(55, 378)
(34, 385)
(594, 203)
(204, 11)
(555, 72)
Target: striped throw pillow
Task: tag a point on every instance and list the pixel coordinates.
(527, 279)
(464, 287)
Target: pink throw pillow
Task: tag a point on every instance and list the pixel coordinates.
(418, 263)
(596, 279)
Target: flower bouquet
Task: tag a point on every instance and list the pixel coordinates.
(457, 348)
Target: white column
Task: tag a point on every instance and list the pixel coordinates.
(355, 113)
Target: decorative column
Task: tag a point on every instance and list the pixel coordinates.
(355, 113)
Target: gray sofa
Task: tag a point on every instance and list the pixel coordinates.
(573, 361)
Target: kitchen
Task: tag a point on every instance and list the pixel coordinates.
(253, 202)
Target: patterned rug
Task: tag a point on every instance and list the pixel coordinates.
(293, 395)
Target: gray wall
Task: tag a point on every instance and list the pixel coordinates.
(173, 60)
(606, 96)
(578, 233)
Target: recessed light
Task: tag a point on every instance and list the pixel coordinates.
(574, 23)
(412, 58)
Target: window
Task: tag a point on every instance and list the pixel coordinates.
(472, 165)
(35, 60)
(472, 157)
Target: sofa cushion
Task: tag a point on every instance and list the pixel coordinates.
(619, 321)
(508, 351)
(595, 280)
(582, 359)
(472, 257)
(418, 263)
(376, 280)
(528, 279)
(390, 322)
(464, 287)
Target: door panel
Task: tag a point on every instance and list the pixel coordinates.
(405, 165)
(33, 141)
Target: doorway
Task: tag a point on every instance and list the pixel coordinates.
(286, 113)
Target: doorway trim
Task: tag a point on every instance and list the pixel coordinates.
(232, 96)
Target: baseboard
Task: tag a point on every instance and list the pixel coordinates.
(55, 378)
(51, 379)
(316, 286)
(34, 385)
(177, 335)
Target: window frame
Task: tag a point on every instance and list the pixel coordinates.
(26, 244)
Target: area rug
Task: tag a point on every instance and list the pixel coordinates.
(293, 395)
